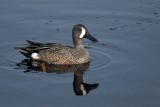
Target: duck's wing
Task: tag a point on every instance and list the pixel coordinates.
(35, 47)
(27, 51)
(31, 43)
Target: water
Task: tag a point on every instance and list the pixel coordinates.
(125, 62)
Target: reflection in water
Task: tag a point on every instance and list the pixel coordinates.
(80, 88)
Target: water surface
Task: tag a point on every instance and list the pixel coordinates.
(125, 62)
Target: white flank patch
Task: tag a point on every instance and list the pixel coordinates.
(35, 56)
(83, 90)
(83, 32)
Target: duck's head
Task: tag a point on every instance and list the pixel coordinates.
(79, 32)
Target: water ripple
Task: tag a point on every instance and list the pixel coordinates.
(99, 58)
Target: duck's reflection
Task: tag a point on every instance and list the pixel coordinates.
(80, 88)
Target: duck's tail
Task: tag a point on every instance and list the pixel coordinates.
(26, 52)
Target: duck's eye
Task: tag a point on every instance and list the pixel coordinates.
(80, 29)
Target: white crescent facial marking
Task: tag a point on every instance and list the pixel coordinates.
(35, 56)
(83, 90)
(82, 33)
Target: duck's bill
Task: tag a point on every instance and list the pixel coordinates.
(90, 37)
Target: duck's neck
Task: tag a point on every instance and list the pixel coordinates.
(77, 43)
(78, 46)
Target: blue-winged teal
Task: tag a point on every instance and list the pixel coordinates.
(54, 53)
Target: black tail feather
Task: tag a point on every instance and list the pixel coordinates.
(34, 43)
(25, 52)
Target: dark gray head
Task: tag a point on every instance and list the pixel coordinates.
(79, 32)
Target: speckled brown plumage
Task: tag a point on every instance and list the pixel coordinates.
(64, 55)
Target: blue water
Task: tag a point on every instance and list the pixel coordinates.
(125, 62)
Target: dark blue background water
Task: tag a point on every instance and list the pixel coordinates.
(125, 62)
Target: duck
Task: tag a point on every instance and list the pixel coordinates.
(56, 53)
